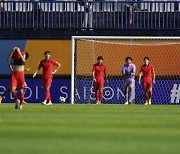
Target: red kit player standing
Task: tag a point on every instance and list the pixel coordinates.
(47, 65)
(147, 71)
(99, 72)
(17, 79)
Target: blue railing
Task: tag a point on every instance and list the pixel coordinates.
(90, 15)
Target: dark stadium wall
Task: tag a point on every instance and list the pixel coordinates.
(67, 33)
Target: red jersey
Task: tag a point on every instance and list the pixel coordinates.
(16, 56)
(99, 71)
(147, 72)
(47, 66)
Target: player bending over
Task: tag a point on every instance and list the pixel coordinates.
(17, 78)
(47, 65)
(128, 72)
(147, 71)
(98, 73)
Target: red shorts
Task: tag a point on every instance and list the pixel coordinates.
(17, 80)
(46, 81)
(98, 85)
(147, 85)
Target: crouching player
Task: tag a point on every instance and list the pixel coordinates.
(17, 79)
(98, 73)
(47, 65)
(147, 71)
(128, 72)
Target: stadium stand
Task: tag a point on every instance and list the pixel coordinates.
(69, 14)
(95, 15)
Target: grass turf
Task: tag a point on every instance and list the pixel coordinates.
(89, 129)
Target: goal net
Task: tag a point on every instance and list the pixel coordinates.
(164, 54)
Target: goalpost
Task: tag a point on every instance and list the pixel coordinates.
(164, 54)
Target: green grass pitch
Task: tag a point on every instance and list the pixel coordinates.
(90, 129)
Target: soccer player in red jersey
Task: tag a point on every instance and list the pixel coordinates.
(17, 79)
(47, 65)
(98, 73)
(148, 73)
(8, 90)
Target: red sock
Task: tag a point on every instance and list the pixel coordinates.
(97, 96)
(46, 94)
(21, 98)
(100, 96)
(14, 95)
(146, 96)
(150, 94)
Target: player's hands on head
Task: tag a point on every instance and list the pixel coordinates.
(18, 49)
(13, 49)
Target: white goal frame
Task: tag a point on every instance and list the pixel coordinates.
(107, 38)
